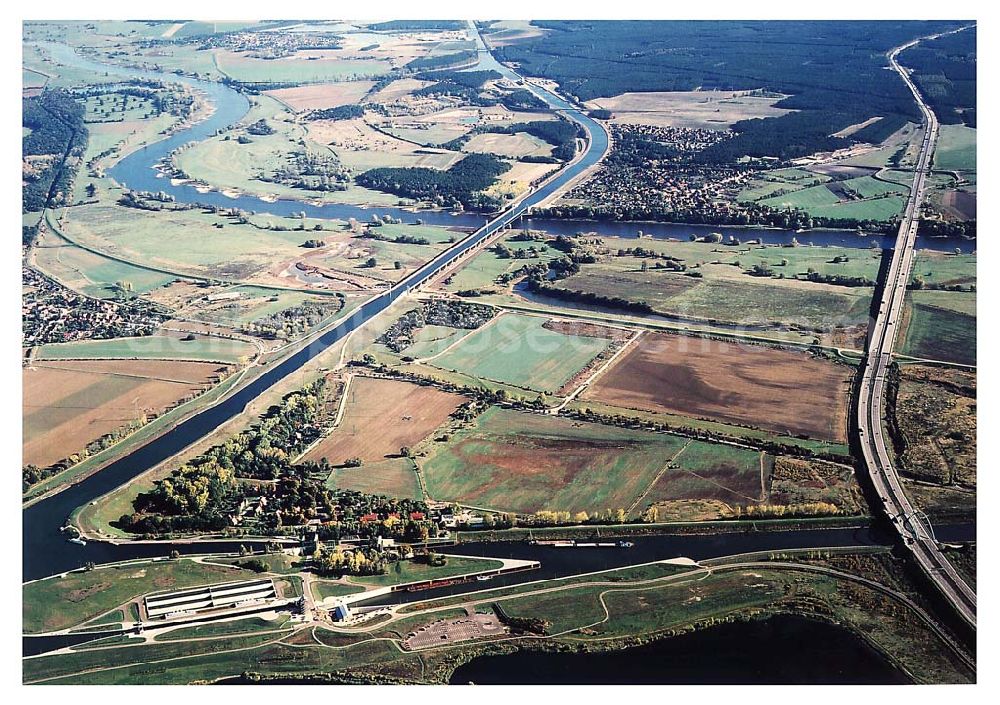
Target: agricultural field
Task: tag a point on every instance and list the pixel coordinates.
(266, 250)
(883, 207)
(91, 273)
(380, 417)
(940, 324)
(503, 32)
(956, 150)
(483, 269)
(223, 163)
(184, 241)
(317, 67)
(165, 346)
(67, 405)
(523, 352)
(518, 462)
(393, 477)
(520, 144)
(768, 388)
(73, 598)
(945, 268)
(725, 293)
(936, 333)
(879, 200)
(321, 95)
(705, 481)
(360, 147)
(711, 110)
(432, 340)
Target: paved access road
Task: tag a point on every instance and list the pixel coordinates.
(910, 523)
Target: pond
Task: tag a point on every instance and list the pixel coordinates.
(782, 650)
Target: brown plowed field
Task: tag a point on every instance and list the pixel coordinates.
(68, 404)
(778, 390)
(382, 416)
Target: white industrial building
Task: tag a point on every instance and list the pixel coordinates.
(210, 597)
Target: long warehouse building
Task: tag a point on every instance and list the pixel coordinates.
(209, 597)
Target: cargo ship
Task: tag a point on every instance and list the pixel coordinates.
(583, 544)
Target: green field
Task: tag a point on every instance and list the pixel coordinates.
(292, 70)
(486, 266)
(940, 334)
(945, 268)
(393, 477)
(410, 256)
(187, 241)
(93, 274)
(431, 340)
(323, 589)
(767, 183)
(656, 607)
(114, 107)
(725, 291)
(958, 301)
(956, 149)
(805, 199)
(227, 628)
(61, 602)
(226, 164)
(518, 350)
(32, 79)
(191, 29)
(276, 562)
(150, 347)
(724, 294)
(519, 462)
(880, 208)
(709, 471)
(869, 187)
(411, 571)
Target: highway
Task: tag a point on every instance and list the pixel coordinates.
(911, 524)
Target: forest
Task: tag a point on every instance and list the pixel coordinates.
(56, 139)
(462, 184)
(832, 71)
(945, 70)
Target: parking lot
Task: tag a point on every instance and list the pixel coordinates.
(448, 631)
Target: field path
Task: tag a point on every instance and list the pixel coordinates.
(656, 478)
(336, 421)
(109, 373)
(636, 335)
(763, 484)
(460, 340)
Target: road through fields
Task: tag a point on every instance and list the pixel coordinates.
(910, 523)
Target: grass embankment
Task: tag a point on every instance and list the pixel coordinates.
(227, 628)
(65, 601)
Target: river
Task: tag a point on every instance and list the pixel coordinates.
(138, 171)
